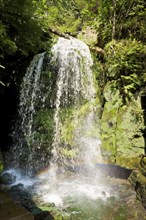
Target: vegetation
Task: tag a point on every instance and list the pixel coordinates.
(24, 27)
(114, 30)
(125, 63)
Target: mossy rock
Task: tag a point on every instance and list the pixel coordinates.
(142, 166)
(89, 36)
(74, 126)
(138, 181)
(121, 127)
(1, 167)
(7, 178)
(131, 162)
(109, 121)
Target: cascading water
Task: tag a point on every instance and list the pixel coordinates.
(68, 98)
(58, 130)
(23, 132)
(74, 83)
(70, 86)
(75, 91)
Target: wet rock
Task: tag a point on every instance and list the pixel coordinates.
(103, 193)
(7, 178)
(11, 210)
(143, 165)
(18, 187)
(138, 181)
(113, 170)
(21, 196)
(121, 128)
(44, 216)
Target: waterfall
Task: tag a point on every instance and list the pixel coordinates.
(52, 86)
(53, 161)
(23, 132)
(75, 79)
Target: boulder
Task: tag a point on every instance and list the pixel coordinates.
(142, 166)
(122, 128)
(7, 178)
(138, 181)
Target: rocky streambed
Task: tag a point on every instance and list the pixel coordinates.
(73, 196)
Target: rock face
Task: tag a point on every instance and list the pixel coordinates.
(1, 162)
(7, 178)
(121, 128)
(138, 181)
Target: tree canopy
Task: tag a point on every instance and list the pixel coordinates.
(25, 25)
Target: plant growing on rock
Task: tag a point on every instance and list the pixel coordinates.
(125, 63)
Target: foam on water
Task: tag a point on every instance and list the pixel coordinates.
(19, 178)
(74, 88)
(71, 187)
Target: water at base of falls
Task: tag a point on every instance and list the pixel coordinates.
(57, 110)
(77, 197)
(74, 185)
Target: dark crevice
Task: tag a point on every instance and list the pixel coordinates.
(143, 105)
(11, 77)
(9, 102)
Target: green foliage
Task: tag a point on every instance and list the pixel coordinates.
(43, 131)
(20, 29)
(21, 36)
(121, 20)
(121, 127)
(1, 166)
(5, 42)
(66, 16)
(125, 63)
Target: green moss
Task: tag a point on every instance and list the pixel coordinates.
(74, 118)
(57, 214)
(131, 162)
(73, 123)
(44, 127)
(122, 126)
(1, 166)
(89, 36)
(68, 153)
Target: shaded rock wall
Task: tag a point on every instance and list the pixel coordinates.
(122, 128)
(138, 181)
(1, 162)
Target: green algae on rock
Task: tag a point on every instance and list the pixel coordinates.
(121, 128)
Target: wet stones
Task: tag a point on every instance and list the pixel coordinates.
(138, 181)
(143, 165)
(7, 178)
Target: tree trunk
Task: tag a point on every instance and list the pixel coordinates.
(97, 50)
(53, 31)
(114, 20)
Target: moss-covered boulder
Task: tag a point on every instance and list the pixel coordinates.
(76, 123)
(121, 126)
(79, 124)
(138, 181)
(109, 122)
(142, 165)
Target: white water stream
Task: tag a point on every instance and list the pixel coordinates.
(74, 185)
(75, 79)
(74, 87)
